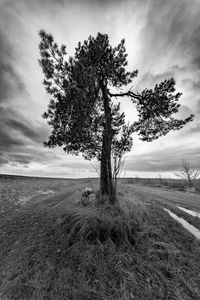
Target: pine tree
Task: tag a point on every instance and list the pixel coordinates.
(81, 113)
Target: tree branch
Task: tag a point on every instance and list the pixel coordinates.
(129, 93)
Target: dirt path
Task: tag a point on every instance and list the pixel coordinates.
(169, 201)
(163, 196)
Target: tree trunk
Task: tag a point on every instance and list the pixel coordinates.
(106, 181)
(189, 180)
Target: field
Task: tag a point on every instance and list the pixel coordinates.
(51, 247)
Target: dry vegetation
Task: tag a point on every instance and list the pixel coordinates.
(52, 248)
(175, 184)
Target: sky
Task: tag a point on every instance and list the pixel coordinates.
(162, 39)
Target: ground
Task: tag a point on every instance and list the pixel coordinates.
(50, 247)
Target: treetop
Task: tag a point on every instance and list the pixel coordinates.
(82, 88)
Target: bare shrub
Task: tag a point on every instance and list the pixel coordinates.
(188, 173)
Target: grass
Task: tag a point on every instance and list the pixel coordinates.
(55, 249)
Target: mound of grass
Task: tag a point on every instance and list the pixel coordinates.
(99, 224)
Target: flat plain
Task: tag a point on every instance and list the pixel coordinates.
(51, 247)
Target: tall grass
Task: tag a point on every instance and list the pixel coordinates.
(99, 223)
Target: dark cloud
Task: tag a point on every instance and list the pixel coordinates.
(7, 141)
(11, 121)
(16, 159)
(19, 139)
(21, 159)
(20, 155)
(3, 160)
(164, 160)
(36, 134)
(11, 84)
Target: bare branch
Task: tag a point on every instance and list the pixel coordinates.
(129, 93)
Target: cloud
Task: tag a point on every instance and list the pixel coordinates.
(149, 80)
(164, 160)
(195, 129)
(10, 82)
(18, 159)
(21, 140)
(25, 156)
(3, 160)
(171, 31)
(7, 141)
(99, 3)
(198, 107)
(15, 127)
(21, 159)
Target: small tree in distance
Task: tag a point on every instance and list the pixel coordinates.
(81, 113)
(188, 173)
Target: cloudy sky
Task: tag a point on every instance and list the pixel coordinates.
(162, 41)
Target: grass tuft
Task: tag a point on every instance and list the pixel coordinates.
(99, 224)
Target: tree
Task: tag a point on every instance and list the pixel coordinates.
(188, 173)
(122, 142)
(81, 113)
(117, 166)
